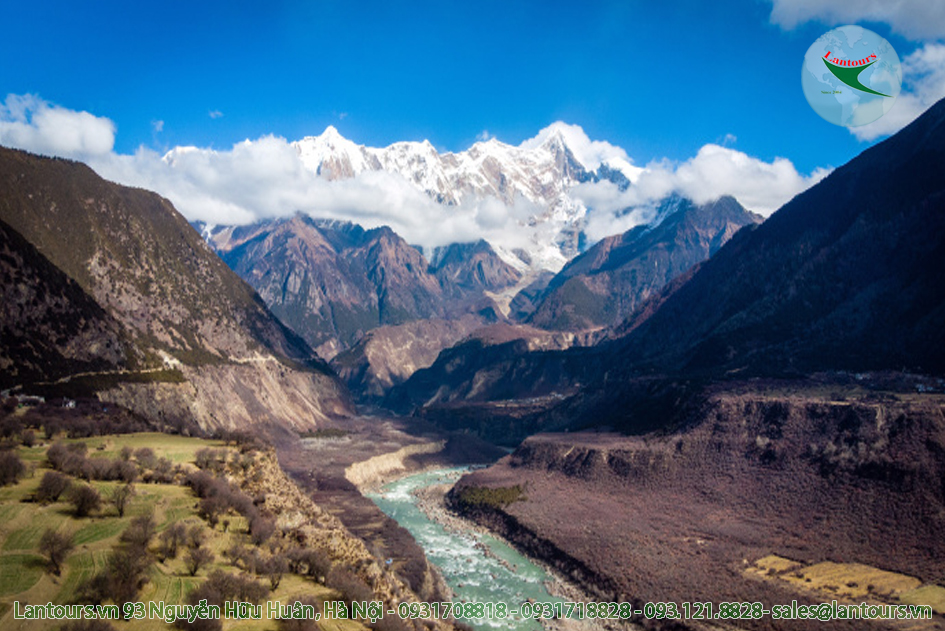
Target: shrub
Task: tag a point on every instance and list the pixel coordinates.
(145, 457)
(124, 574)
(274, 568)
(349, 585)
(172, 537)
(196, 536)
(120, 497)
(260, 529)
(210, 509)
(309, 562)
(139, 533)
(301, 624)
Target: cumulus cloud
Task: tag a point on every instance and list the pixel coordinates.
(30, 123)
(760, 186)
(914, 19)
(923, 85)
(264, 178)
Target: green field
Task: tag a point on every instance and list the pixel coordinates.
(23, 570)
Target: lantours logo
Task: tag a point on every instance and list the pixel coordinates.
(848, 71)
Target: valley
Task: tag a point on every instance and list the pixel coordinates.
(707, 407)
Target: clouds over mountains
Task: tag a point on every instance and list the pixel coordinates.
(262, 178)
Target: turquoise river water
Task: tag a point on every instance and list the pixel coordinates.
(477, 566)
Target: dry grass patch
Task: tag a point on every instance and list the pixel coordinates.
(772, 565)
(852, 580)
(931, 595)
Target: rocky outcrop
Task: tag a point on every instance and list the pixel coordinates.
(332, 282)
(467, 269)
(237, 396)
(388, 355)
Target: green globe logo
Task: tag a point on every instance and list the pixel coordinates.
(851, 76)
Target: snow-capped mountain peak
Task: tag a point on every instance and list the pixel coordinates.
(541, 171)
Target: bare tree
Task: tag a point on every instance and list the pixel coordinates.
(120, 497)
(197, 558)
(56, 547)
(52, 486)
(85, 499)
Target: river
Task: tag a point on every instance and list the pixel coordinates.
(477, 566)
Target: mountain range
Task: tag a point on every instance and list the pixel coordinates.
(540, 172)
(352, 291)
(847, 276)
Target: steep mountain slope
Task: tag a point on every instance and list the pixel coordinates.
(49, 327)
(178, 303)
(468, 269)
(848, 275)
(843, 291)
(605, 284)
(333, 282)
(388, 355)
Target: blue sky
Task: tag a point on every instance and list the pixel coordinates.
(660, 79)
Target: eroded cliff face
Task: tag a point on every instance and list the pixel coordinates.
(808, 475)
(389, 355)
(377, 470)
(233, 397)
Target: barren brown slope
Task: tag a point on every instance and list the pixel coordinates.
(49, 327)
(178, 302)
(788, 470)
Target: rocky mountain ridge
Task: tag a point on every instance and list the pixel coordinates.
(603, 286)
(333, 282)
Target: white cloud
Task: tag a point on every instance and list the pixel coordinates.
(30, 123)
(590, 153)
(914, 19)
(265, 178)
(484, 136)
(760, 186)
(923, 85)
(215, 114)
(157, 126)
